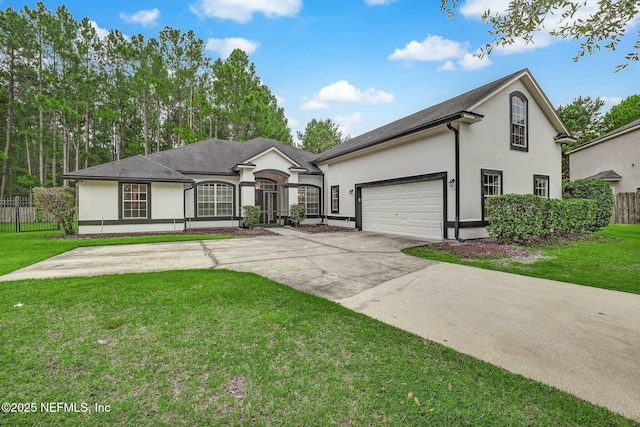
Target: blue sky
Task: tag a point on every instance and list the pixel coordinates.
(364, 63)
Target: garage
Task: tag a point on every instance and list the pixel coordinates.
(409, 209)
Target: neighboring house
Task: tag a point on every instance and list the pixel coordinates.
(614, 157)
(426, 175)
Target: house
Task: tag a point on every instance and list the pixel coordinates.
(614, 157)
(426, 175)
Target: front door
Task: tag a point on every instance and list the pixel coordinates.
(267, 199)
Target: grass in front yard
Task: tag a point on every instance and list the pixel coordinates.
(18, 250)
(610, 259)
(217, 347)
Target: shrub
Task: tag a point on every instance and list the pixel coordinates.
(516, 217)
(251, 216)
(58, 203)
(522, 217)
(597, 190)
(297, 214)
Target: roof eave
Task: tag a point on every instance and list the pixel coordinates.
(461, 116)
(124, 179)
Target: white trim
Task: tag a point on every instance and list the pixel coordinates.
(277, 151)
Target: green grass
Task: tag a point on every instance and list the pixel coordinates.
(610, 259)
(214, 347)
(18, 250)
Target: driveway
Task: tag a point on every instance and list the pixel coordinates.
(582, 340)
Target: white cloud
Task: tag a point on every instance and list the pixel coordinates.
(242, 10)
(471, 62)
(314, 105)
(148, 18)
(378, 2)
(447, 66)
(343, 91)
(345, 123)
(102, 33)
(611, 100)
(224, 47)
(476, 8)
(433, 48)
(292, 122)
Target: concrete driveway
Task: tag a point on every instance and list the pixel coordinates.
(582, 340)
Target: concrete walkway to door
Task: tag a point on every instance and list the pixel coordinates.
(582, 340)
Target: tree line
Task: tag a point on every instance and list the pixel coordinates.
(72, 99)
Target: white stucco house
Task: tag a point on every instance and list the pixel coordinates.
(425, 175)
(614, 157)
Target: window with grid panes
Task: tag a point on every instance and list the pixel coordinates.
(541, 186)
(310, 197)
(519, 121)
(134, 201)
(491, 186)
(335, 199)
(215, 199)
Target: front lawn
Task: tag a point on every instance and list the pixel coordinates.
(610, 259)
(214, 347)
(18, 250)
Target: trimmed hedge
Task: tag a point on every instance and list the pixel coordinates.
(597, 190)
(521, 217)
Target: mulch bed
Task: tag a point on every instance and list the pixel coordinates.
(322, 228)
(490, 248)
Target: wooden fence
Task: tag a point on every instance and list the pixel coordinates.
(627, 208)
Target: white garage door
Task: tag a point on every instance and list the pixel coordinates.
(414, 209)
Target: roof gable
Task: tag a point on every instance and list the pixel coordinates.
(256, 157)
(439, 114)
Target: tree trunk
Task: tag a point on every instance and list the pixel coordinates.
(86, 137)
(145, 124)
(9, 124)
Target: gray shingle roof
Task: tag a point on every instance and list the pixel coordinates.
(138, 168)
(607, 176)
(219, 157)
(210, 157)
(424, 119)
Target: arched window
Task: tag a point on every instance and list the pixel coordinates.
(214, 199)
(519, 122)
(310, 197)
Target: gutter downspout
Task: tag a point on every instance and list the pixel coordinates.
(457, 180)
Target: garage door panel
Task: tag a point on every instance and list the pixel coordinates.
(414, 209)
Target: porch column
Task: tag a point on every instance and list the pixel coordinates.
(247, 187)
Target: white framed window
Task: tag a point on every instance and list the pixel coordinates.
(135, 201)
(541, 186)
(310, 197)
(491, 187)
(519, 119)
(335, 199)
(214, 199)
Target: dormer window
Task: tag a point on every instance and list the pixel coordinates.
(519, 122)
